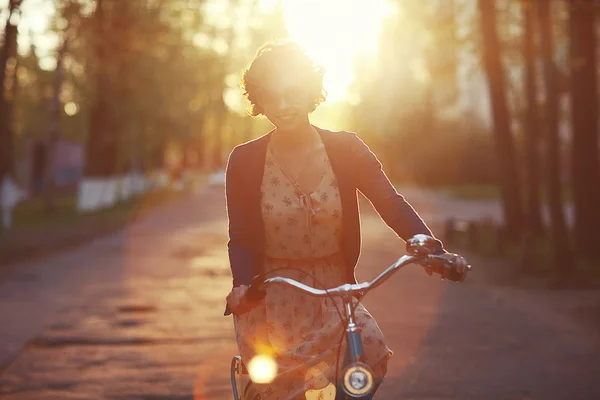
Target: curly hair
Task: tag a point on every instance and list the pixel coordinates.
(274, 58)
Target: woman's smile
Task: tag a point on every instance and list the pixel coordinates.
(286, 117)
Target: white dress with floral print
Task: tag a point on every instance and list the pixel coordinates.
(303, 236)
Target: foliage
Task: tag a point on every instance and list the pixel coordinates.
(164, 68)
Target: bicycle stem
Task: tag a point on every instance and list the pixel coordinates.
(353, 332)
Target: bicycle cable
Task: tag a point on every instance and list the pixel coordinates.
(332, 298)
(343, 321)
(337, 362)
(337, 309)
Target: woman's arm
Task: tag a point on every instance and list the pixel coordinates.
(239, 212)
(391, 206)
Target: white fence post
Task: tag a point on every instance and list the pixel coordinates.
(9, 196)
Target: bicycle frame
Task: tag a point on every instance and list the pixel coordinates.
(357, 380)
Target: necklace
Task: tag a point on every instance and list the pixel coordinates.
(306, 202)
(273, 148)
(286, 171)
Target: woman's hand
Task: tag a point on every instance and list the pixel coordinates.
(459, 264)
(237, 301)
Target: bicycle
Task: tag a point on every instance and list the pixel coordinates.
(357, 381)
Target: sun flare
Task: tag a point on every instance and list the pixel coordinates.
(262, 369)
(335, 33)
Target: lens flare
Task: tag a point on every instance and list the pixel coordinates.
(262, 369)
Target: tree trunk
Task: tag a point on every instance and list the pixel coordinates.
(99, 187)
(506, 159)
(8, 76)
(54, 129)
(533, 215)
(101, 149)
(584, 118)
(559, 234)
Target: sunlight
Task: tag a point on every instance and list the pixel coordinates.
(262, 369)
(419, 70)
(336, 33)
(36, 20)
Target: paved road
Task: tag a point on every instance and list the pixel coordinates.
(138, 315)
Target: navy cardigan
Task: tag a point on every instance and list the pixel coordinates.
(355, 167)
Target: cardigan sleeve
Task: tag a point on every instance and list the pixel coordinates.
(242, 258)
(397, 213)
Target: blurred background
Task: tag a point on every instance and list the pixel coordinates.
(116, 120)
(109, 104)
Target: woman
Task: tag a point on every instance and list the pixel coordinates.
(292, 208)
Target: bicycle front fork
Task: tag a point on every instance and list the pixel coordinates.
(356, 377)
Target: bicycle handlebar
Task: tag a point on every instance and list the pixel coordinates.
(256, 293)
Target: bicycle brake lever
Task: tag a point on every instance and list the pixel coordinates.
(255, 293)
(428, 267)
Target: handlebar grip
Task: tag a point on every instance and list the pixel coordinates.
(255, 293)
(447, 270)
(452, 274)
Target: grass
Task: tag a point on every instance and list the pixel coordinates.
(462, 191)
(491, 192)
(472, 192)
(30, 214)
(36, 233)
(536, 269)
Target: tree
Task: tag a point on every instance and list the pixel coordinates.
(532, 179)
(506, 159)
(101, 148)
(8, 86)
(585, 173)
(559, 237)
(54, 126)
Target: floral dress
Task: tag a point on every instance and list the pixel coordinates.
(301, 332)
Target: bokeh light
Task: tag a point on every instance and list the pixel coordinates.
(262, 369)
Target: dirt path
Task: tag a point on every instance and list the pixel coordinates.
(138, 315)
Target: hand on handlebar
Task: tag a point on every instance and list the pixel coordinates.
(420, 248)
(238, 302)
(449, 266)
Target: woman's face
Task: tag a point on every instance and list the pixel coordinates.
(284, 102)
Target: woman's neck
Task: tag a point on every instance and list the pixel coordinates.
(304, 138)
